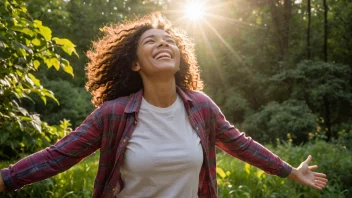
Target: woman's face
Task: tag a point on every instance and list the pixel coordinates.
(157, 54)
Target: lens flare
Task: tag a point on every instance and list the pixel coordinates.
(194, 10)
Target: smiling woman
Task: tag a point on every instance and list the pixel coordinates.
(110, 76)
(157, 133)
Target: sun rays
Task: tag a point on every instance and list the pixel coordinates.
(202, 18)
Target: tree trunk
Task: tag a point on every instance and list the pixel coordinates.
(327, 117)
(286, 31)
(308, 30)
(281, 13)
(325, 31)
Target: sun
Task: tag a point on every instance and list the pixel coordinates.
(194, 10)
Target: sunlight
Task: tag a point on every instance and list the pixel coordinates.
(194, 10)
(228, 46)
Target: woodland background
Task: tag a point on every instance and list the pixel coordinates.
(280, 70)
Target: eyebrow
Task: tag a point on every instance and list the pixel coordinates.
(152, 36)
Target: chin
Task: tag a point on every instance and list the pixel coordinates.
(166, 68)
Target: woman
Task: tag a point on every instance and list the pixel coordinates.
(155, 130)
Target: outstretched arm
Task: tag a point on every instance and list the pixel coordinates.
(304, 174)
(57, 158)
(2, 185)
(245, 148)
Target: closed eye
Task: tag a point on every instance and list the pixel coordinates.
(149, 41)
(170, 41)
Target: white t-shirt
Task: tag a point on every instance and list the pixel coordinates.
(164, 156)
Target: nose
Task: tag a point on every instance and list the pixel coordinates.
(163, 43)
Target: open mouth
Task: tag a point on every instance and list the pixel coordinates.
(163, 55)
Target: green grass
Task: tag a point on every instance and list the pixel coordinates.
(76, 182)
(235, 178)
(238, 179)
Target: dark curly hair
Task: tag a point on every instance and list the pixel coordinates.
(110, 59)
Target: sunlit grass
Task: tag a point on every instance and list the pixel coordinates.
(235, 178)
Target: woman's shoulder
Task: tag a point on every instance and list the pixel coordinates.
(115, 106)
(197, 96)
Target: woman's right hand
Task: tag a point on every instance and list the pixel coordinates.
(2, 184)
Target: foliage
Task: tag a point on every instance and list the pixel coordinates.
(275, 120)
(75, 182)
(316, 81)
(25, 45)
(235, 178)
(238, 179)
(74, 103)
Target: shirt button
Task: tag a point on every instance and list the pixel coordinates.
(197, 128)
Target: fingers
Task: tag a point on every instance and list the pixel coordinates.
(309, 158)
(319, 175)
(320, 181)
(312, 167)
(320, 184)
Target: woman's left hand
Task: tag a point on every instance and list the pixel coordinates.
(304, 174)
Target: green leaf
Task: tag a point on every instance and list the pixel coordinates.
(43, 99)
(52, 62)
(50, 94)
(26, 31)
(56, 63)
(66, 45)
(21, 52)
(37, 23)
(65, 64)
(36, 42)
(68, 69)
(25, 118)
(36, 64)
(36, 122)
(29, 80)
(43, 30)
(23, 111)
(63, 42)
(34, 79)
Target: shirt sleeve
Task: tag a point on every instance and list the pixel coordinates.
(237, 144)
(59, 157)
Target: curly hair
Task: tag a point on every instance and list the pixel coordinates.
(109, 70)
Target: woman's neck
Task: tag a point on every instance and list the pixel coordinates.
(161, 93)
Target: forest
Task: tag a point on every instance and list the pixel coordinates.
(280, 70)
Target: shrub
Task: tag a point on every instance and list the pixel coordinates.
(276, 120)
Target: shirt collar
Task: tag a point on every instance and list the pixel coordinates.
(135, 99)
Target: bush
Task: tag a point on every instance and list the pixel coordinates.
(277, 120)
(74, 103)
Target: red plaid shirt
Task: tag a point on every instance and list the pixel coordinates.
(109, 129)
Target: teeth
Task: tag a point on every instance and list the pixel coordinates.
(163, 54)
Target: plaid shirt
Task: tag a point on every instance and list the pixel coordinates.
(109, 129)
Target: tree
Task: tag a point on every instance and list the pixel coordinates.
(25, 45)
(313, 80)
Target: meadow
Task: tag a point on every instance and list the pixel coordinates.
(236, 179)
